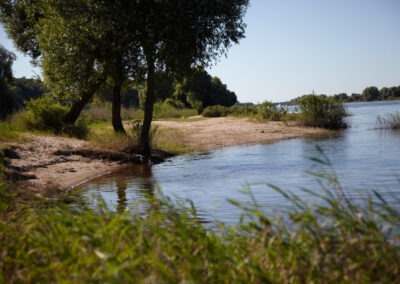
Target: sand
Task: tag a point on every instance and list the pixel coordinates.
(213, 133)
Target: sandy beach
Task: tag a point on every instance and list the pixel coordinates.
(46, 163)
(213, 133)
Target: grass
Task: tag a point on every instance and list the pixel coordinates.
(391, 121)
(102, 135)
(332, 241)
(161, 111)
(171, 140)
(8, 131)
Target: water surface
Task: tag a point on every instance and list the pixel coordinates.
(363, 157)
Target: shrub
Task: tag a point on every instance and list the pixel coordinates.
(319, 111)
(244, 111)
(269, 111)
(216, 111)
(391, 120)
(167, 110)
(44, 114)
(174, 103)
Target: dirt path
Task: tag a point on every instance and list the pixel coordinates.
(220, 132)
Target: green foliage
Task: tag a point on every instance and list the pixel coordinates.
(200, 90)
(44, 114)
(251, 111)
(172, 109)
(24, 89)
(322, 111)
(370, 94)
(216, 111)
(169, 109)
(391, 120)
(269, 111)
(332, 240)
(9, 131)
(174, 103)
(265, 111)
(84, 43)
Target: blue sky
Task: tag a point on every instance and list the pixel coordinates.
(295, 47)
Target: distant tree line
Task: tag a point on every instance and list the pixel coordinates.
(369, 94)
(197, 90)
(15, 91)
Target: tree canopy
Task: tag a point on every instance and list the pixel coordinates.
(84, 44)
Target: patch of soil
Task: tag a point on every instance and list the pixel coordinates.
(59, 162)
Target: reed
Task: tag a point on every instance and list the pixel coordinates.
(391, 121)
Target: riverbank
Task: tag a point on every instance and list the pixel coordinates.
(47, 164)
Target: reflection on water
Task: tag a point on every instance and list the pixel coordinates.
(119, 189)
(363, 157)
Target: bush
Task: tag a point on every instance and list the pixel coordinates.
(216, 111)
(244, 111)
(174, 103)
(264, 111)
(319, 111)
(269, 111)
(168, 110)
(44, 114)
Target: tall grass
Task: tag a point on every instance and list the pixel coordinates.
(102, 112)
(333, 241)
(391, 121)
(8, 131)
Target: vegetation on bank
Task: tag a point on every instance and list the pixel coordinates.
(318, 111)
(266, 111)
(333, 240)
(369, 94)
(391, 121)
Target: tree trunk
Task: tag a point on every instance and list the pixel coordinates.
(148, 108)
(116, 100)
(78, 106)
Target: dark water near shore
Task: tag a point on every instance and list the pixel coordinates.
(363, 157)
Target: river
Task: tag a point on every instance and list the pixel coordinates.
(363, 157)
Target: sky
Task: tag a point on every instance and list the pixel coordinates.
(296, 47)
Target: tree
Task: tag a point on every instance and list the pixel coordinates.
(370, 94)
(24, 89)
(6, 101)
(123, 39)
(177, 35)
(80, 44)
(98, 47)
(200, 90)
(164, 88)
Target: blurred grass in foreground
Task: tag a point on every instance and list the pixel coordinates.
(327, 242)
